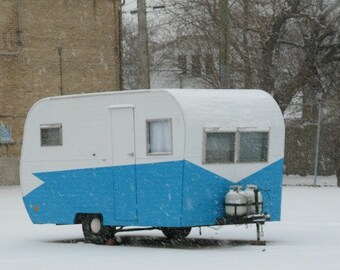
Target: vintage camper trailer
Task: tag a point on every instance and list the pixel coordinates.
(165, 159)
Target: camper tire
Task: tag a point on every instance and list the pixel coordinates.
(176, 233)
(94, 230)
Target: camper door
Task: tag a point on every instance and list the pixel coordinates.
(124, 162)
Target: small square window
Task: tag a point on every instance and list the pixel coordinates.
(159, 134)
(253, 146)
(209, 64)
(51, 135)
(5, 134)
(220, 147)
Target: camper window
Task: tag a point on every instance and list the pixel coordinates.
(159, 136)
(51, 135)
(220, 147)
(253, 146)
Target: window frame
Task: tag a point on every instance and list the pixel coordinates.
(148, 139)
(51, 126)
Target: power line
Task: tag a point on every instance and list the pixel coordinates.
(151, 9)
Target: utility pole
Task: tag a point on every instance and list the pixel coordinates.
(317, 143)
(119, 5)
(143, 49)
(224, 43)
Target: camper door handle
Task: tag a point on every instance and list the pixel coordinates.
(132, 154)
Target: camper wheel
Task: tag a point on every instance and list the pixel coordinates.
(176, 233)
(94, 231)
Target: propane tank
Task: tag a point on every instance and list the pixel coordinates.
(250, 195)
(235, 202)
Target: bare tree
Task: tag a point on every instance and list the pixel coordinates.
(130, 46)
(285, 47)
(281, 46)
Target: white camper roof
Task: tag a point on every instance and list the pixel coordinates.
(226, 108)
(239, 106)
(216, 99)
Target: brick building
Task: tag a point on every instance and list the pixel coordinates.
(49, 48)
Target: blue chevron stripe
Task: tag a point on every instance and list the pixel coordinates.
(163, 194)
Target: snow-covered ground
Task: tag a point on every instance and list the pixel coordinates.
(308, 237)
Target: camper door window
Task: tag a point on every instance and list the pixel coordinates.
(51, 135)
(159, 137)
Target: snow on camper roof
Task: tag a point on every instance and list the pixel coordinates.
(241, 104)
(207, 104)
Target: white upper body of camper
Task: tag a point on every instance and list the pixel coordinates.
(88, 124)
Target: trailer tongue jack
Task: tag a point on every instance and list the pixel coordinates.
(238, 203)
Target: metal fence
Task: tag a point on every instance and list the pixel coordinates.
(312, 143)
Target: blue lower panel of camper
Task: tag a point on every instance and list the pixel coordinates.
(167, 194)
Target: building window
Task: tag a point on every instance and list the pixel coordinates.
(182, 64)
(253, 147)
(5, 134)
(196, 65)
(51, 135)
(209, 64)
(220, 147)
(159, 136)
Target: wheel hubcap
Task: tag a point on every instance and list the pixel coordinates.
(95, 225)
